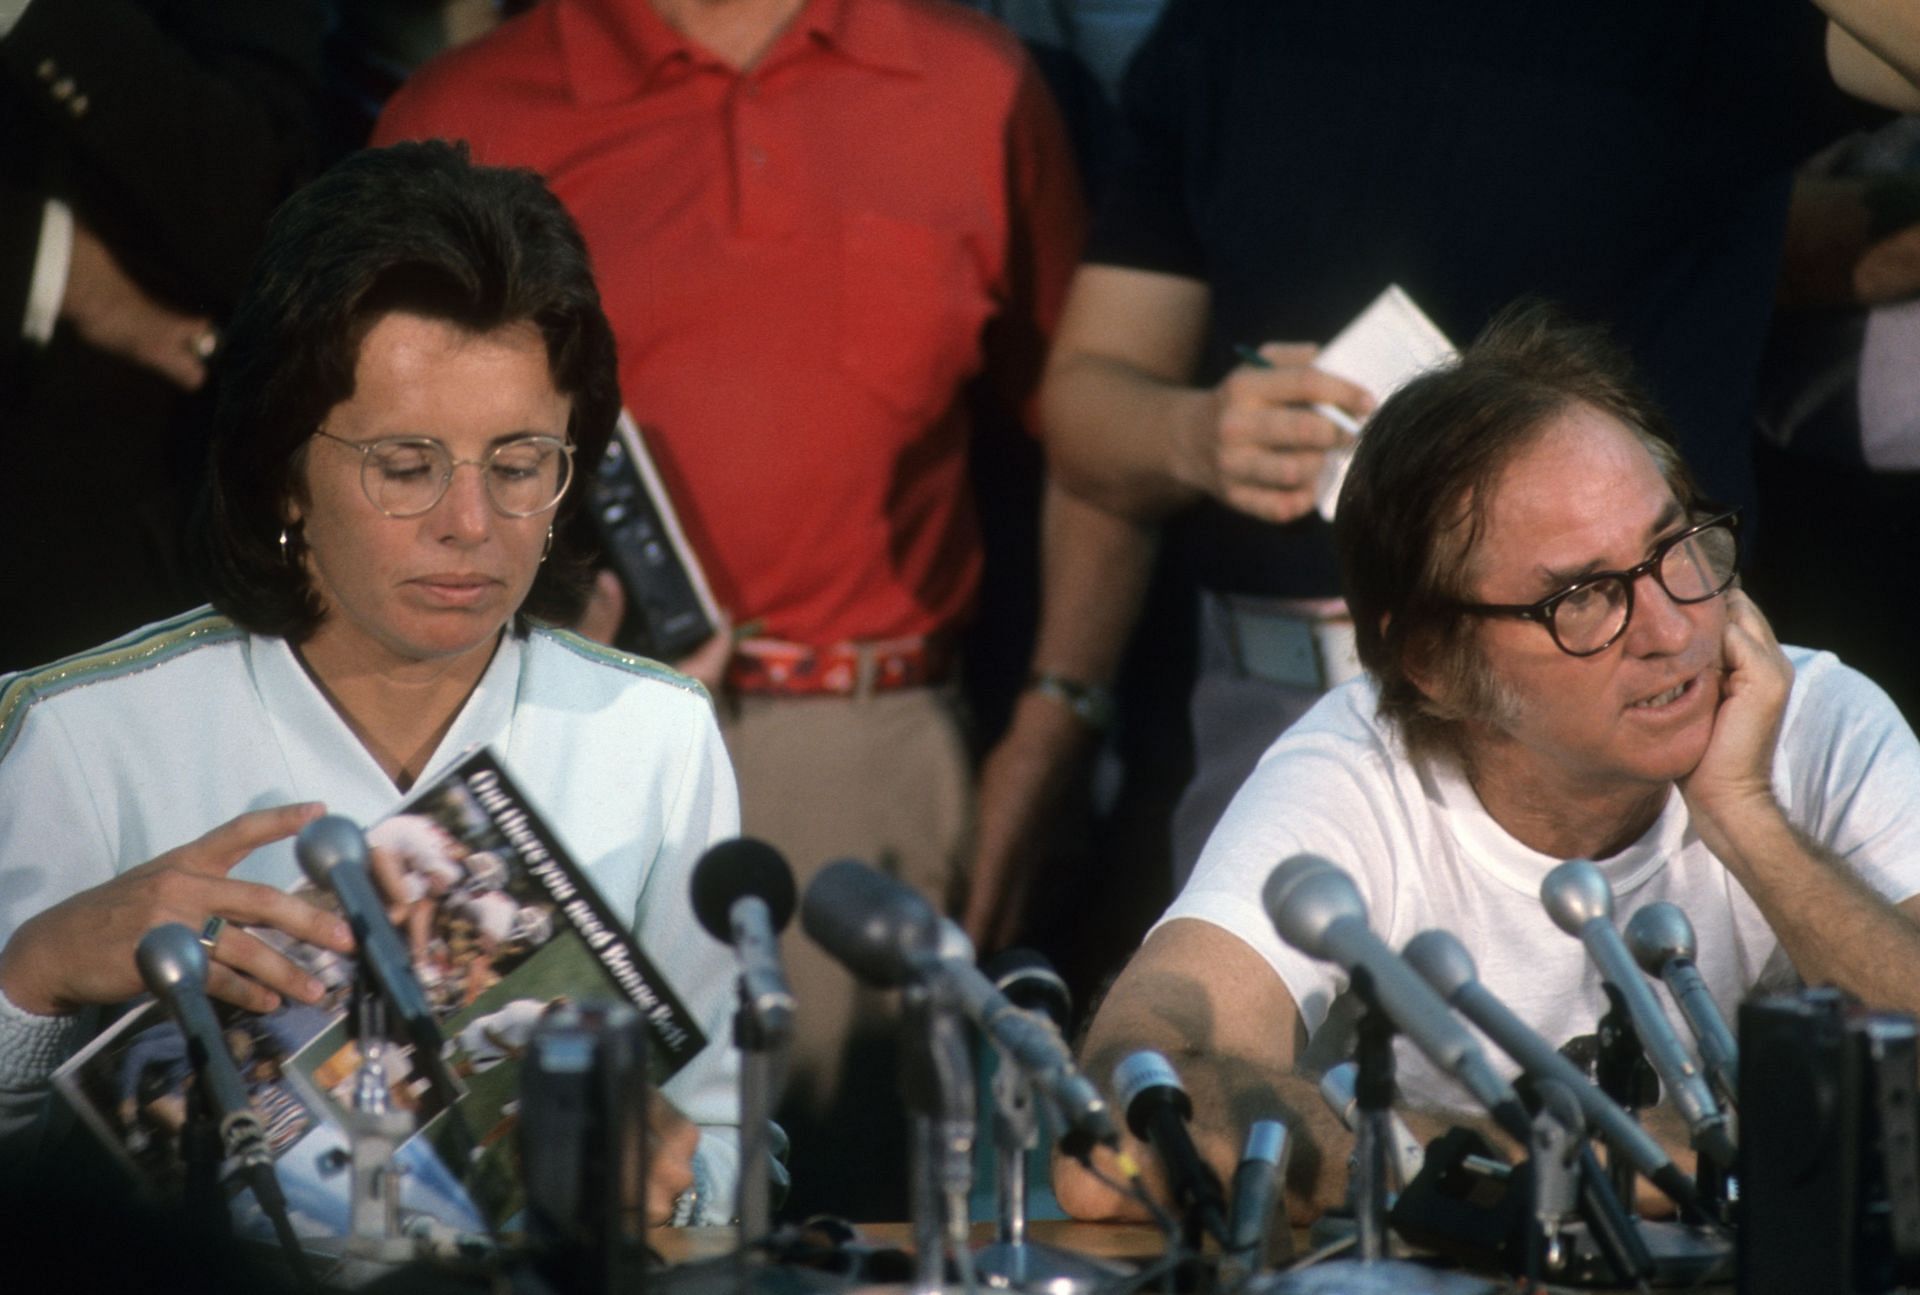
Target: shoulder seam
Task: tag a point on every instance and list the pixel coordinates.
(141, 650)
(627, 662)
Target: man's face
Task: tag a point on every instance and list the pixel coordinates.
(1586, 496)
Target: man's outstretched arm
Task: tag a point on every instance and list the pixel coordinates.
(1215, 1009)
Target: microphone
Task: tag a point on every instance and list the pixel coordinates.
(1661, 940)
(1443, 962)
(1318, 910)
(1157, 1110)
(743, 894)
(1580, 902)
(1031, 984)
(888, 935)
(1339, 1089)
(173, 963)
(884, 932)
(1257, 1183)
(333, 853)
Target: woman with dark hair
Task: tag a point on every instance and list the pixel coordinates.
(379, 613)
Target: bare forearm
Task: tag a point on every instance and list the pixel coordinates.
(1095, 565)
(1115, 434)
(1229, 1028)
(1836, 930)
(1873, 50)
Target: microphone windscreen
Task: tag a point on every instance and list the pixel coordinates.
(1576, 893)
(168, 956)
(1304, 896)
(1030, 984)
(1139, 1073)
(326, 843)
(880, 929)
(1657, 934)
(733, 870)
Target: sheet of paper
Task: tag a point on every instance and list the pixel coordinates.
(1387, 345)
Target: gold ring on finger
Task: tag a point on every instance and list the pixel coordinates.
(210, 933)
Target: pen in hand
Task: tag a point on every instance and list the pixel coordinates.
(1251, 357)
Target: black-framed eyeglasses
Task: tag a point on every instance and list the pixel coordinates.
(405, 476)
(1590, 615)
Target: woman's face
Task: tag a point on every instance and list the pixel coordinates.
(440, 585)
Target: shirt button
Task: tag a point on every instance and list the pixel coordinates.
(79, 105)
(47, 70)
(62, 90)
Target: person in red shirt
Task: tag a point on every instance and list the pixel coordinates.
(814, 222)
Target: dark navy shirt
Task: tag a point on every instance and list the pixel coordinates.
(1629, 160)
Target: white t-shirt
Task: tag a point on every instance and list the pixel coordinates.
(1425, 854)
(115, 756)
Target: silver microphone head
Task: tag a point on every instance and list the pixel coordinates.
(1442, 961)
(1307, 894)
(1659, 933)
(1138, 1071)
(1576, 893)
(326, 843)
(169, 956)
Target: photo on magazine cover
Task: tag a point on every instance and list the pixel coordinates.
(501, 924)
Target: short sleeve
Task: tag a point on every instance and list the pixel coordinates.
(1851, 768)
(1144, 221)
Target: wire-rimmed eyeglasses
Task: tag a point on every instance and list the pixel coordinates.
(405, 476)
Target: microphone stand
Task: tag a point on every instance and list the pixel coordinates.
(374, 1131)
(201, 1155)
(1374, 1273)
(1623, 1073)
(1010, 1261)
(762, 1039)
(936, 1079)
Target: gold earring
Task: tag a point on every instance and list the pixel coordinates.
(285, 557)
(549, 545)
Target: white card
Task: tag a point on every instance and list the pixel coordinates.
(1387, 345)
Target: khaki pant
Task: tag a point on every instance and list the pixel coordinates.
(883, 779)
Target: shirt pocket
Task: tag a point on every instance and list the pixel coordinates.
(912, 303)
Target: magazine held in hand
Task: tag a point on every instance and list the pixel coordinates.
(500, 924)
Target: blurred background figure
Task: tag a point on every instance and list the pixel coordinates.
(143, 145)
(803, 304)
(1839, 413)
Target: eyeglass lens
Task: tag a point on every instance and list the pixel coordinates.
(1692, 569)
(527, 476)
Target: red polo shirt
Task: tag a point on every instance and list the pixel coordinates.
(803, 263)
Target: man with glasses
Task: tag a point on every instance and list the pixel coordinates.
(1559, 665)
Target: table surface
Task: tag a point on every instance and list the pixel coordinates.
(1133, 1242)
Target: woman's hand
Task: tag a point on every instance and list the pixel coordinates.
(672, 1139)
(80, 951)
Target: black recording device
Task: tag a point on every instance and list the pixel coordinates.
(1830, 1166)
(670, 610)
(584, 1146)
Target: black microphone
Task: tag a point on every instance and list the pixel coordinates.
(888, 935)
(1661, 940)
(1031, 984)
(333, 853)
(1318, 910)
(173, 963)
(1157, 1110)
(884, 932)
(1580, 902)
(743, 894)
(1446, 965)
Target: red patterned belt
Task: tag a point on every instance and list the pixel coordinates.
(772, 666)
